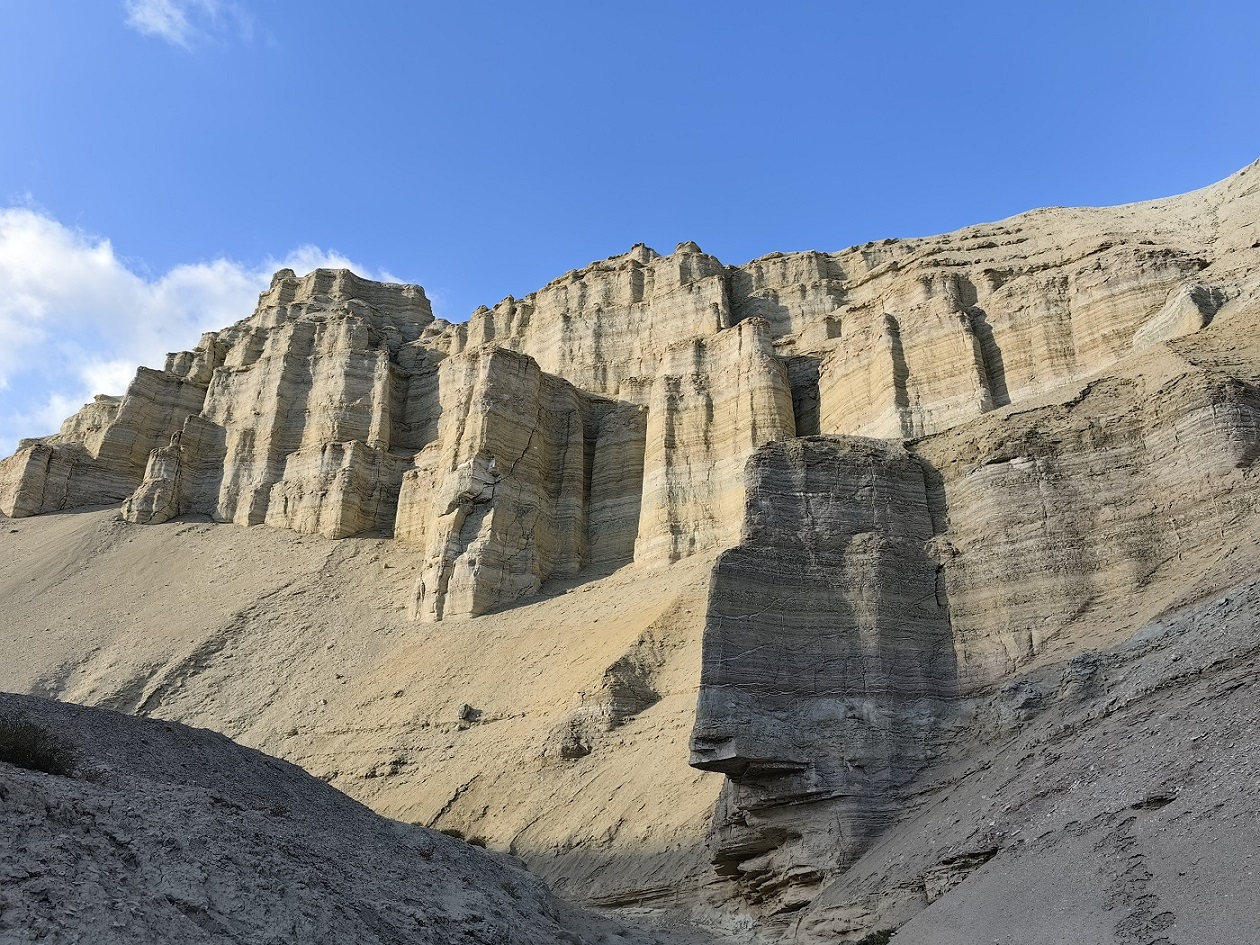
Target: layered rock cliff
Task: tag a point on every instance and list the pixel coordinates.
(880, 589)
(928, 475)
(827, 657)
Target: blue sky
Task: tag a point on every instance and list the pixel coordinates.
(161, 157)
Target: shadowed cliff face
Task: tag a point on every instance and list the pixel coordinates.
(827, 657)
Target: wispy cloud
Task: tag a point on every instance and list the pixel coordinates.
(76, 320)
(185, 23)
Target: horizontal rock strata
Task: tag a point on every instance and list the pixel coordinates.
(714, 401)
(509, 495)
(333, 410)
(879, 588)
(826, 652)
(1074, 504)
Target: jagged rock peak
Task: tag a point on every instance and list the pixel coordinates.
(641, 252)
(331, 287)
(639, 255)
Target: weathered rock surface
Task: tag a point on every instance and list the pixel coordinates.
(882, 592)
(517, 488)
(1105, 798)
(341, 407)
(714, 401)
(309, 414)
(827, 655)
(1088, 502)
(259, 423)
(957, 495)
(606, 327)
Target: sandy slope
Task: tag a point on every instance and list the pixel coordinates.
(297, 645)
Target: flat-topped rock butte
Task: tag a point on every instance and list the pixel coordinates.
(910, 587)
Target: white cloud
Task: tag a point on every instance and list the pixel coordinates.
(184, 23)
(161, 18)
(75, 320)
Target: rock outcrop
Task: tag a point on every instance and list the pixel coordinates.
(342, 407)
(529, 478)
(1086, 502)
(827, 656)
(606, 327)
(257, 423)
(713, 402)
(880, 589)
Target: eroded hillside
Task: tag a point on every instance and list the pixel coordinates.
(161, 833)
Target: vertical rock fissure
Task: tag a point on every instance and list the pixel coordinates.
(990, 356)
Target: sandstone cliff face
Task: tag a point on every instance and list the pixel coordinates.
(713, 402)
(257, 422)
(605, 327)
(309, 414)
(517, 487)
(929, 475)
(341, 407)
(1086, 502)
(880, 590)
(827, 654)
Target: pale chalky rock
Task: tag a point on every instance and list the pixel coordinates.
(322, 362)
(158, 497)
(101, 453)
(900, 338)
(605, 328)
(714, 401)
(337, 489)
(791, 292)
(517, 484)
(1188, 309)
(939, 333)
(1080, 504)
(866, 385)
(917, 335)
